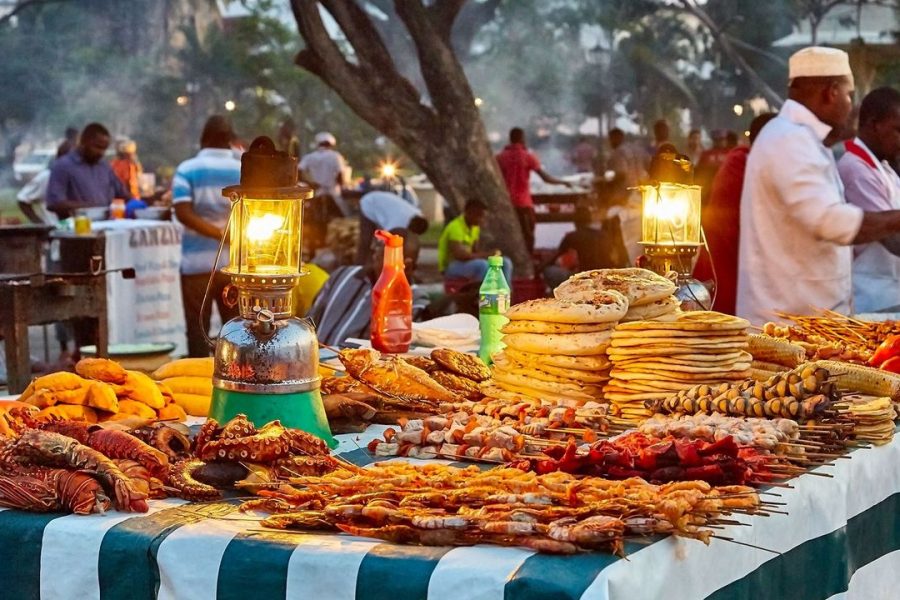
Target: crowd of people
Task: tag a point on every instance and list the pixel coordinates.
(786, 224)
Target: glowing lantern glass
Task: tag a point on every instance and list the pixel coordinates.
(265, 236)
(671, 214)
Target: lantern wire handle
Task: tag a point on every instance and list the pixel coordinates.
(212, 275)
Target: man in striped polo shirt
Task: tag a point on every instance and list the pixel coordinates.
(201, 208)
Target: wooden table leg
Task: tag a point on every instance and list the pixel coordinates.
(18, 357)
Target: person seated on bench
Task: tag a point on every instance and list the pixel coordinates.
(458, 253)
(343, 307)
(587, 248)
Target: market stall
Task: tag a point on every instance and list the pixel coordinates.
(617, 446)
(841, 535)
(147, 308)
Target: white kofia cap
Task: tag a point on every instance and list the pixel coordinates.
(818, 61)
(325, 138)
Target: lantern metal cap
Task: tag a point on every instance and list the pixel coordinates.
(268, 173)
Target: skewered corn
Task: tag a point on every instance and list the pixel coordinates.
(775, 350)
(865, 380)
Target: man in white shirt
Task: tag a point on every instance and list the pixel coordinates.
(796, 228)
(324, 168)
(384, 210)
(871, 184)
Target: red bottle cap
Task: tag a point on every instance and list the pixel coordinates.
(390, 240)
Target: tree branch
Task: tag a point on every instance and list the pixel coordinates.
(730, 51)
(367, 44)
(472, 17)
(443, 14)
(444, 77)
(379, 96)
(22, 6)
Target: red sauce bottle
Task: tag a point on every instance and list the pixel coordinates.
(391, 299)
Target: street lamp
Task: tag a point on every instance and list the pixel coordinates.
(230, 105)
(266, 360)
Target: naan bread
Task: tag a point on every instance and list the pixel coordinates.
(572, 344)
(547, 327)
(688, 343)
(542, 389)
(584, 363)
(606, 307)
(653, 310)
(700, 320)
(639, 286)
(554, 374)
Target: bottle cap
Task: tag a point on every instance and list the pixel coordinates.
(390, 240)
(495, 261)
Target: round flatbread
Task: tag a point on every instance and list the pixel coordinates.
(664, 368)
(547, 327)
(465, 365)
(572, 344)
(463, 386)
(636, 399)
(573, 398)
(673, 350)
(687, 359)
(648, 386)
(422, 362)
(606, 307)
(654, 310)
(598, 362)
(585, 377)
(672, 333)
(520, 369)
(699, 320)
(562, 388)
(672, 376)
(640, 286)
(687, 342)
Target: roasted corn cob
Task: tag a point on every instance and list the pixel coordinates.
(775, 350)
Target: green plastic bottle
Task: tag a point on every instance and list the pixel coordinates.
(493, 302)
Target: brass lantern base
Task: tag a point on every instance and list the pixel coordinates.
(258, 292)
(665, 259)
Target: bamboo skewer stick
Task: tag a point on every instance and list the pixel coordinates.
(734, 541)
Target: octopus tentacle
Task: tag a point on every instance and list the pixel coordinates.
(181, 477)
(164, 438)
(208, 432)
(268, 444)
(238, 427)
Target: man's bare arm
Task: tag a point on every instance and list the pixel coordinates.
(878, 225)
(190, 219)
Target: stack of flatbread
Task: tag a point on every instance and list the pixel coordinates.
(556, 349)
(650, 296)
(654, 359)
(873, 418)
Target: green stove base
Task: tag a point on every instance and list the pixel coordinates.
(303, 410)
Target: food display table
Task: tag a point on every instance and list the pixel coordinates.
(841, 539)
(147, 308)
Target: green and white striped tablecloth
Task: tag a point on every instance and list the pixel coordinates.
(840, 540)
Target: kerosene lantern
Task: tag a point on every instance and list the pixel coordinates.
(670, 228)
(266, 360)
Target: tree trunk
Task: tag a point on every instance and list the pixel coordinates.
(443, 132)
